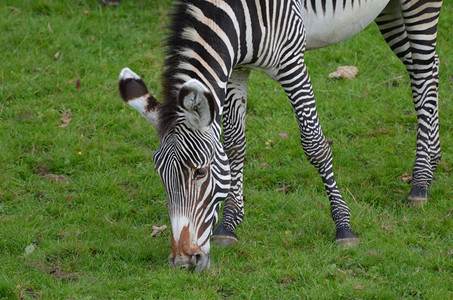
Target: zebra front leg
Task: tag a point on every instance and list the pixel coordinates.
(435, 152)
(297, 86)
(234, 144)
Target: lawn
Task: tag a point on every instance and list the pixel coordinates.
(79, 195)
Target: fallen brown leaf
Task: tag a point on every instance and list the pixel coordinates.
(348, 72)
(283, 188)
(66, 118)
(57, 55)
(385, 227)
(14, 10)
(157, 230)
(283, 135)
(29, 249)
(265, 165)
(268, 144)
(406, 177)
(78, 84)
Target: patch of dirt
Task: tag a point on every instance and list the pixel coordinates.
(54, 270)
(44, 172)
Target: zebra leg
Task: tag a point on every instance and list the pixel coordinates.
(296, 82)
(234, 145)
(411, 33)
(435, 152)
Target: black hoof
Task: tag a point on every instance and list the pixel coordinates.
(346, 238)
(418, 196)
(223, 237)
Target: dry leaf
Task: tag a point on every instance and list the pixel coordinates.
(283, 135)
(406, 177)
(385, 227)
(283, 188)
(66, 118)
(86, 12)
(268, 144)
(14, 10)
(157, 229)
(358, 287)
(57, 55)
(348, 72)
(29, 249)
(78, 83)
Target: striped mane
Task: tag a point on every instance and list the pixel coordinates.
(175, 44)
(170, 110)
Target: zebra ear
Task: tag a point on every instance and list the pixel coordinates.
(135, 93)
(198, 104)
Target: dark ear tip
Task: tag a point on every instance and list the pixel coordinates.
(132, 88)
(131, 85)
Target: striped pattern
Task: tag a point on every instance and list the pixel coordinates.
(212, 42)
(410, 29)
(212, 46)
(318, 6)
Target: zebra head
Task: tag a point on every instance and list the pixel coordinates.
(190, 161)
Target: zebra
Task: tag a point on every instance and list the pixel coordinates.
(212, 46)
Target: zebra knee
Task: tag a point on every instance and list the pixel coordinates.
(318, 154)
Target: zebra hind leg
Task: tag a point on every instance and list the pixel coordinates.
(411, 38)
(234, 145)
(421, 27)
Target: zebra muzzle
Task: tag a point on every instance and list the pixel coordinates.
(198, 261)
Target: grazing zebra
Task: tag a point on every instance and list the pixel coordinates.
(212, 46)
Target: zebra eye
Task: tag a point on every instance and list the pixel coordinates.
(200, 173)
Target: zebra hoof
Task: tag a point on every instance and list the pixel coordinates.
(223, 237)
(346, 238)
(418, 196)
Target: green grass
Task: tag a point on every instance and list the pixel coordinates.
(91, 231)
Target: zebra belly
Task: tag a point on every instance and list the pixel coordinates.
(330, 24)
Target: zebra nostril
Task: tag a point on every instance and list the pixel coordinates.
(198, 258)
(200, 261)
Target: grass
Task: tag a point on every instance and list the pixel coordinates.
(77, 204)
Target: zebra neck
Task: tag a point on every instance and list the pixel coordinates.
(329, 22)
(200, 47)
